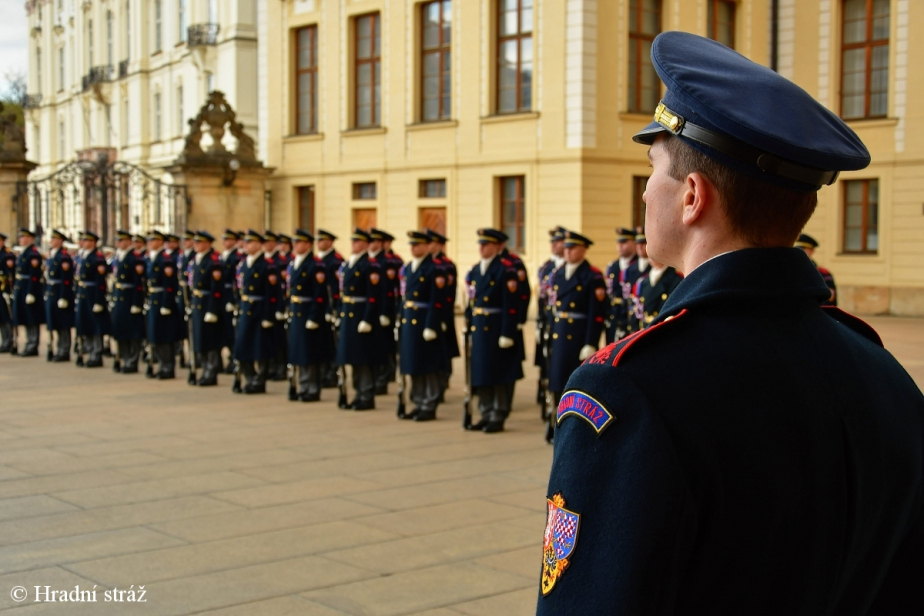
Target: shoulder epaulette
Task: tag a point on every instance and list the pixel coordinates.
(823, 271)
(214, 256)
(506, 262)
(856, 324)
(615, 352)
(595, 270)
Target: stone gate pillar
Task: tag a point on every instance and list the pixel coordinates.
(13, 169)
(225, 189)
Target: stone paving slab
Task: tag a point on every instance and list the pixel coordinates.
(236, 505)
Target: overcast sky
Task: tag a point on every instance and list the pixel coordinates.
(14, 39)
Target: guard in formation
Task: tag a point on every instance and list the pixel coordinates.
(255, 337)
(749, 451)
(28, 293)
(128, 271)
(7, 281)
(808, 244)
(59, 298)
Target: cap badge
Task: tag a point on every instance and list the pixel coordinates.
(668, 119)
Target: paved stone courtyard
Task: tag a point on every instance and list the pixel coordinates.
(228, 505)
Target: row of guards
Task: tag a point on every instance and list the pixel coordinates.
(292, 308)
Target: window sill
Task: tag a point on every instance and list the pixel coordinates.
(428, 125)
(305, 137)
(872, 122)
(356, 132)
(865, 255)
(636, 116)
(509, 117)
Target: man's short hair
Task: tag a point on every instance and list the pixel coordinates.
(764, 214)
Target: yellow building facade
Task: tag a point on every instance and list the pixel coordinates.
(518, 114)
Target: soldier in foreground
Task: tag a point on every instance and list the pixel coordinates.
(7, 278)
(28, 293)
(128, 270)
(255, 337)
(59, 297)
(751, 481)
(448, 325)
(492, 318)
(311, 341)
(163, 292)
(92, 321)
(206, 291)
(362, 296)
(808, 244)
(423, 353)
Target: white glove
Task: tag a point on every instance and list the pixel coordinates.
(364, 327)
(586, 351)
(429, 335)
(62, 304)
(519, 327)
(310, 324)
(6, 296)
(97, 308)
(620, 333)
(135, 310)
(229, 307)
(329, 317)
(504, 342)
(443, 327)
(30, 299)
(397, 335)
(280, 316)
(266, 324)
(210, 317)
(336, 322)
(384, 321)
(166, 312)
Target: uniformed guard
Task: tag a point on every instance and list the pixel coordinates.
(92, 320)
(808, 244)
(255, 339)
(362, 293)
(28, 293)
(524, 293)
(392, 262)
(277, 366)
(750, 451)
(577, 299)
(284, 252)
(139, 244)
(423, 354)
(383, 330)
(128, 283)
(492, 317)
(650, 293)
(163, 302)
(448, 324)
(173, 253)
(543, 313)
(332, 261)
(59, 297)
(621, 274)
(230, 257)
(206, 289)
(643, 264)
(311, 341)
(7, 278)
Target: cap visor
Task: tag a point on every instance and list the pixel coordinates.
(647, 135)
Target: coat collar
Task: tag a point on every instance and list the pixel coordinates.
(749, 275)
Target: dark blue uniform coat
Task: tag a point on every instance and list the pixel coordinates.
(648, 300)
(228, 296)
(309, 293)
(29, 281)
(362, 293)
(449, 305)
(424, 292)
(332, 262)
(91, 291)
(619, 287)
(127, 292)
(750, 452)
(7, 280)
(163, 285)
(578, 308)
(524, 293)
(543, 312)
(59, 284)
(259, 285)
(492, 312)
(206, 284)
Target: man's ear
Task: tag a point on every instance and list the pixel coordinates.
(699, 198)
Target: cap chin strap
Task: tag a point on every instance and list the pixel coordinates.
(769, 163)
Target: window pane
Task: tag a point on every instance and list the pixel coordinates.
(873, 191)
(447, 22)
(510, 188)
(526, 18)
(431, 26)
(651, 17)
(853, 241)
(376, 37)
(854, 215)
(431, 65)
(854, 21)
(508, 23)
(363, 47)
(853, 191)
(880, 19)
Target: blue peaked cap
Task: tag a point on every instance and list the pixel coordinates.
(747, 116)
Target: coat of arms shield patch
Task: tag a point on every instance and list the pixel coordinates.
(561, 531)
